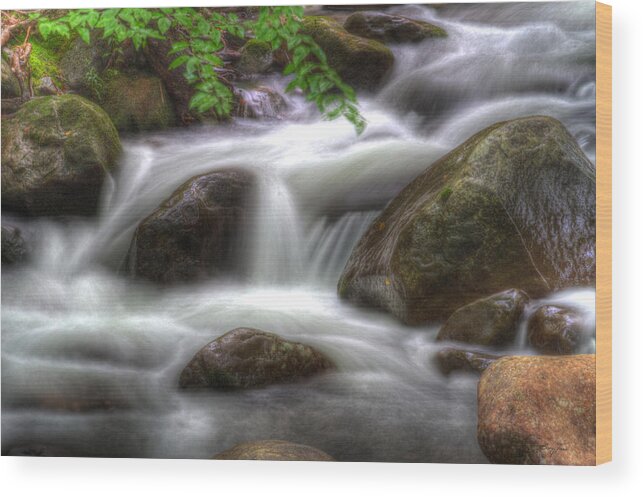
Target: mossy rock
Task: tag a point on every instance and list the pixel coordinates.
(82, 64)
(246, 357)
(273, 450)
(256, 57)
(391, 29)
(520, 213)
(56, 152)
(10, 84)
(362, 63)
(137, 102)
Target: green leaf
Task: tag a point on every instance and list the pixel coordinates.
(179, 61)
(84, 34)
(164, 24)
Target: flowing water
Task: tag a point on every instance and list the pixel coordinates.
(90, 358)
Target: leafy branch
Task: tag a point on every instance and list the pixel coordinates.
(197, 37)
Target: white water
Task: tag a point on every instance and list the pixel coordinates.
(90, 359)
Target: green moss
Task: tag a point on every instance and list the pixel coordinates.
(45, 59)
(445, 194)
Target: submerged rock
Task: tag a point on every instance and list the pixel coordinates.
(489, 321)
(360, 62)
(255, 57)
(538, 410)
(56, 152)
(555, 330)
(197, 232)
(246, 357)
(14, 248)
(390, 28)
(259, 102)
(273, 450)
(138, 102)
(513, 206)
(451, 359)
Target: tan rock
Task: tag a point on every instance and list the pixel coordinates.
(538, 410)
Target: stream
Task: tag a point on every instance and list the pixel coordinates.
(91, 358)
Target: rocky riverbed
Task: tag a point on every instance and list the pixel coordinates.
(276, 286)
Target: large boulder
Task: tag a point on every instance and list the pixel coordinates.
(196, 232)
(389, 28)
(56, 152)
(82, 64)
(10, 84)
(14, 247)
(512, 207)
(273, 450)
(555, 329)
(538, 410)
(360, 62)
(246, 357)
(450, 359)
(138, 102)
(488, 321)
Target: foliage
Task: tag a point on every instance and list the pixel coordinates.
(197, 37)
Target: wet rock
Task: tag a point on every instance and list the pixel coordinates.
(489, 321)
(56, 152)
(197, 232)
(389, 28)
(138, 102)
(259, 102)
(360, 62)
(10, 86)
(273, 450)
(538, 410)
(246, 357)
(255, 57)
(451, 359)
(14, 247)
(513, 206)
(555, 330)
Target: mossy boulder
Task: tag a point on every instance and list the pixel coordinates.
(197, 232)
(10, 85)
(137, 102)
(56, 152)
(451, 359)
(512, 207)
(255, 57)
(14, 247)
(555, 330)
(246, 357)
(538, 410)
(82, 64)
(273, 450)
(360, 62)
(391, 29)
(488, 321)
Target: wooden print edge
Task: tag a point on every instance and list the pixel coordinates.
(603, 233)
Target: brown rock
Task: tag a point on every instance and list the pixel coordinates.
(555, 330)
(489, 321)
(451, 359)
(538, 410)
(246, 357)
(273, 450)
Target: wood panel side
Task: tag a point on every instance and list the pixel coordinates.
(603, 233)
